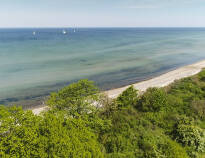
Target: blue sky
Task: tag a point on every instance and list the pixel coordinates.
(102, 13)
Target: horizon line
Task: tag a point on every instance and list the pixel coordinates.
(47, 27)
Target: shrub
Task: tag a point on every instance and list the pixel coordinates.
(198, 107)
(128, 97)
(154, 144)
(173, 150)
(190, 135)
(152, 100)
(202, 75)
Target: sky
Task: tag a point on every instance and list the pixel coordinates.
(102, 13)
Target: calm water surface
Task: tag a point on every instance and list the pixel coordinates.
(32, 66)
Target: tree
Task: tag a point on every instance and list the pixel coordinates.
(77, 98)
(19, 133)
(68, 137)
(22, 134)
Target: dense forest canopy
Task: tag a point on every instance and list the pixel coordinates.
(82, 122)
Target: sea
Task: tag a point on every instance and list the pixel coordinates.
(37, 61)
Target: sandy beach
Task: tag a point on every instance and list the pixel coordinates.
(38, 110)
(160, 81)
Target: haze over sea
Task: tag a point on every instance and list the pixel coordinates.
(32, 66)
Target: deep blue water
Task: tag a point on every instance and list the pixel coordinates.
(32, 66)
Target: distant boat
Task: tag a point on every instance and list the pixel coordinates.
(34, 33)
(74, 30)
(64, 32)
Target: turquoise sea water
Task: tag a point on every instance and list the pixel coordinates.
(32, 66)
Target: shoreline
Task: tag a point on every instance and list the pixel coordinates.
(159, 81)
(162, 80)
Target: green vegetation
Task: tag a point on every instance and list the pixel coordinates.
(160, 123)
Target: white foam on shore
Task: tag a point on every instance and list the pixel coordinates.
(160, 81)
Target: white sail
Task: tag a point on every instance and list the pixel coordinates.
(64, 32)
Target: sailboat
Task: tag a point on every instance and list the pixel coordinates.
(74, 30)
(34, 33)
(64, 32)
